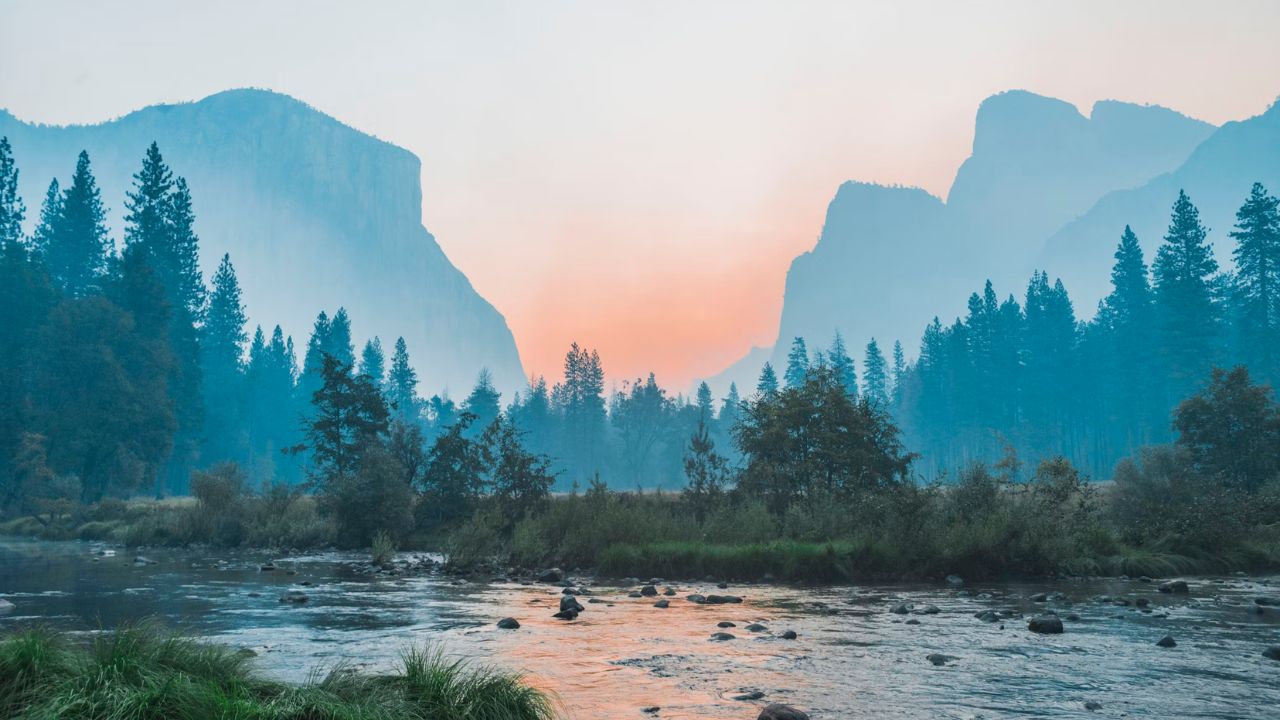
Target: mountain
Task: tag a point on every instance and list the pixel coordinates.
(315, 214)
(1217, 178)
(891, 258)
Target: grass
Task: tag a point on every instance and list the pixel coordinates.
(142, 672)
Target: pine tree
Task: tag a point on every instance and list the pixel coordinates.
(768, 382)
(1127, 316)
(402, 385)
(580, 398)
(372, 363)
(899, 372)
(1257, 282)
(12, 210)
(706, 406)
(76, 251)
(50, 221)
(484, 402)
(159, 224)
(730, 409)
(842, 365)
(1188, 315)
(797, 363)
(222, 346)
(875, 376)
(339, 345)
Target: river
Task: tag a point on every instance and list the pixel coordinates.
(852, 657)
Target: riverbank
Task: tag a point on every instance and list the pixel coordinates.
(143, 672)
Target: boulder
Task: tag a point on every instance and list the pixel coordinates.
(789, 635)
(634, 594)
(757, 627)
(1093, 706)
(264, 567)
(696, 598)
(140, 560)
(927, 610)
(1167, 642)
(566, 615)
(725, 624)
(509, 624)
(748, 696)
(1272, 653)
(987, 616)
(1142, 602)
(1040, 597)
(777, 711)
(721, 636)
(900, 609)
(551, 575)
(1174, 586)
(569, 602)
(669, 592)
(1045, 624)
(939, 659)
(723, 599)
(294, 596)
(1272, 601)
(651, 710)
(649, 591)
(662, 604)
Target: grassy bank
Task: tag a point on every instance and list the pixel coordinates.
(142, 673)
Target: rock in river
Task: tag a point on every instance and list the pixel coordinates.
(778, 711)
(649, 591)
(725, 624)
(1045, 624)
(939, 659)
(1272, 653)
(757, 627)
(1173, 586)
(551, 575)
(721, 636)
(569, 602)
(662, 604)
(1167, 642)
(789, 635)
(294, 596)
(509, 624)
(722, 599)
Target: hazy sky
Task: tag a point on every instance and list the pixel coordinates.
(637, 176)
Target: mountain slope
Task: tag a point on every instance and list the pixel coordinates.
(1217, 177)
(315, 214)
(889, 259)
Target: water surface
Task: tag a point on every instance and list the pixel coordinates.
(853, 658)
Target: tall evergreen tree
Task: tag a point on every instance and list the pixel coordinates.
(76, 251)
(372, 362)
(730, 409)
(339, 345)
(159, 224)
(706, 405)
(899, 372)
(1127, 316)
(402, 385)
(1257, 282)
(797, 363)
(842, 365)
(1188, 315)
(12, 210)
(50, 221)
(768, 382)
(875, 379)
(222, 345)
(484, 402)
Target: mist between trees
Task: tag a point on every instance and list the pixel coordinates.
(124, 374)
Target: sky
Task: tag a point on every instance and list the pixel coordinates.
(637, 176)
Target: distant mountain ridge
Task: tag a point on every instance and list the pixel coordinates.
(891, 258)
(315, 214)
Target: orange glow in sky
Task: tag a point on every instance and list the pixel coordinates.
(637, 177)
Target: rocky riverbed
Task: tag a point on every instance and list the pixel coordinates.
(654, 647)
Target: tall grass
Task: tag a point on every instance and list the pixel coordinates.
(143, 673)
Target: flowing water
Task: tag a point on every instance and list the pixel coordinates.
(853, 657)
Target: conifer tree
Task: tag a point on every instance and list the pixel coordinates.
(76, 251)
(875, 376)
(706, 406)
(372, 362)
(730, 409)
(222, 346)
(899, 372)
(768, 382)
(12, 210)
(1188, 315)
(1257, 282)
(484, 402)
(339, 345)
(50, 221)
(402, 385)
(1127, 316)
(842, 365)
(797, 363)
